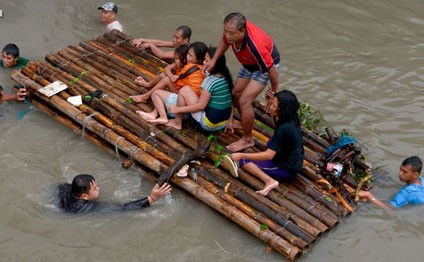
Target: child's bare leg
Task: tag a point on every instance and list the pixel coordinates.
(148, 116)
(163, 83)
(149, 84)
(158, 99)
(186, 96)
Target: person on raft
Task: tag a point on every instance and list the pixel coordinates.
(181, 37)
(190, 75)
(81, 197)
(212, 109)
(411, 193)
(283, 157)
(260, 60)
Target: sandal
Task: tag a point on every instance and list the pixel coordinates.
(232, 165)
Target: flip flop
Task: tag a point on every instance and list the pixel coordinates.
(183, 171)
(232, 165)
(88, 97)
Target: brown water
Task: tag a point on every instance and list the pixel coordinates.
(359, 62)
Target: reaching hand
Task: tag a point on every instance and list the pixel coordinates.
(229, 127)
(173, 109)
(145, 46)
(158, 192)
(137, 42)
(20, 95)
(236, 156)
(208, 67)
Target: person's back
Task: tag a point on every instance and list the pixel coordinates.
(70, 203)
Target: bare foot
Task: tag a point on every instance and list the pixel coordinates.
(240, 145)
(267, 188)
(173, 124)
(147, 116)
(159, 121)
(141, 82)
(140, 98)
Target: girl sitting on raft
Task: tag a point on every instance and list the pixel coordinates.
(283, 157)
(212, 109)
(190, 76)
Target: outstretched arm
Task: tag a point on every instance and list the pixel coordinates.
(259, 156)
(156, 194)
(367, 195)
(162, 54)
(19, 96)
(159, 43)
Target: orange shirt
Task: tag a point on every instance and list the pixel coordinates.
(194, 80)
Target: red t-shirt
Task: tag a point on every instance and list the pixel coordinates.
(258, 51)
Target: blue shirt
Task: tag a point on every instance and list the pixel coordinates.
(410, 194)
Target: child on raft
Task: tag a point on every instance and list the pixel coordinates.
(186, 71)
(283, 157)
(212, 109)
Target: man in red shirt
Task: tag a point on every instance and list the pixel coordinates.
(260, 60)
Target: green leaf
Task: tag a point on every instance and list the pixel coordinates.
(211, 137)
(129, 100)
(219, 149)
(328, 199)
(75, 80)
(264, 227)
(84, 73)
(217, 162)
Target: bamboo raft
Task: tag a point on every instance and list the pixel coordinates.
(288, 220)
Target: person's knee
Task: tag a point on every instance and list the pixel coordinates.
(245, 102)
(185, 90)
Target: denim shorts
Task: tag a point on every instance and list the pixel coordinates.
(258, 76)
(171, 100)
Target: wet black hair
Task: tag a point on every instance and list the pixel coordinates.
(200, 50)
(221, 67)
(185, 30)
(288, 106)
(237, 18)
(81, 184)
(181, 52)
(415, 162)
(11, 49)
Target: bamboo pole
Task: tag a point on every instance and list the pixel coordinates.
(121, 118)
(92, 125)
(260, 217)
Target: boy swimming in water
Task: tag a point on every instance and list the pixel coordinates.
(412, 193)
(81, 197)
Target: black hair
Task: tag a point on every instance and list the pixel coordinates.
(11, 49)
(81, 184)
(237, 18)
(200, 50)
(415, 163)
(287, 107)
(221, 67)
(185, 30)
(181, 52)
